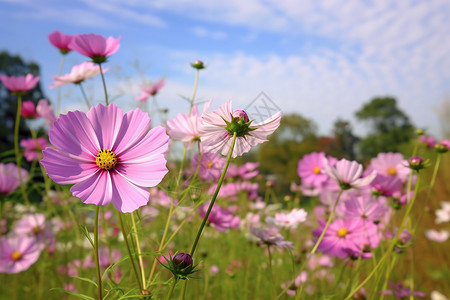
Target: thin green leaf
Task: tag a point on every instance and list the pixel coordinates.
(86, 233)
(86, 279)
(72, 293)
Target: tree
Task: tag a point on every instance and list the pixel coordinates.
(14, 66)
(343, 145)
(390, 127)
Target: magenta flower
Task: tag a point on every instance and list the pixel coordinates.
(45, 110)
(246, 171)
(19, 84)
(9, 178)
(271, 236)
(211, 166)
(342, 236)
(33, 148)
(401, 292)
(221, 219)
(95, 46)
(28, 110)
(429, 141)
(60, 41)
(390, 164)
(217, 128)
(185, 127)
(108, 156)
(364, 207)
(310, 169)
(387, 185)
(17, 253)
(347, 174)
(78, 74)
(35, 226)
(151, 90)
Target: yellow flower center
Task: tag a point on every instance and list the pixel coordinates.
(316, 170)
(209, 165)
(37, 230)
(392, 171)
(106, 159)
(16, 255)
(342, 232)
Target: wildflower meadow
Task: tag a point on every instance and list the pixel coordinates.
(105, 203)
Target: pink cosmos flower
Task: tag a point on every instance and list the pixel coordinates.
(364, 207)
(108, 156)
(217, 128)
(19, 84)
(60, 41)
(347, 174)
(429, 141)
(9, 178)
(78, 74)
(35, 226)
(95, 46)
(185, 127)
(390, 164)
(271, 236)
(17, 253)
(246, 171)
(45, 110)
(28, 110)
(437, 236)
(33, 148)
(310, 169)
(151, 90)
(221, 219)
(387, 185)
(291, 219)
(211, 166)
(344, 235)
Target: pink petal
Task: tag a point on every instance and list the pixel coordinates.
(74, 134)
(65, 168)
(107, 121)
(134, 127)
(126, 196)
(95, 190)
(154, 143)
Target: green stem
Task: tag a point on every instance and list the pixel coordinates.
(195, 91)
(97, 262)
(128, 249)
(169, 295)
(199, 233)
(222, 177)
(58, 103)
(88, 104)
(394, 241)
(141, 263)
(17, 152)
(272, 279)
(313, 251)
(199, 162)
(104, 84)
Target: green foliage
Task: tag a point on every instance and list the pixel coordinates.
(390, 127)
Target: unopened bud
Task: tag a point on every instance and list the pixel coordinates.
(198, 64)
(183, 260)
(416, 163)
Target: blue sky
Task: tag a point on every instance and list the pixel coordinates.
(322, 59)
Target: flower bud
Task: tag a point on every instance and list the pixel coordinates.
(443, 146)
(28, 110)
(416, 163)
(198, 64)
(420, 131)
(183, 260)
(240, 115)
